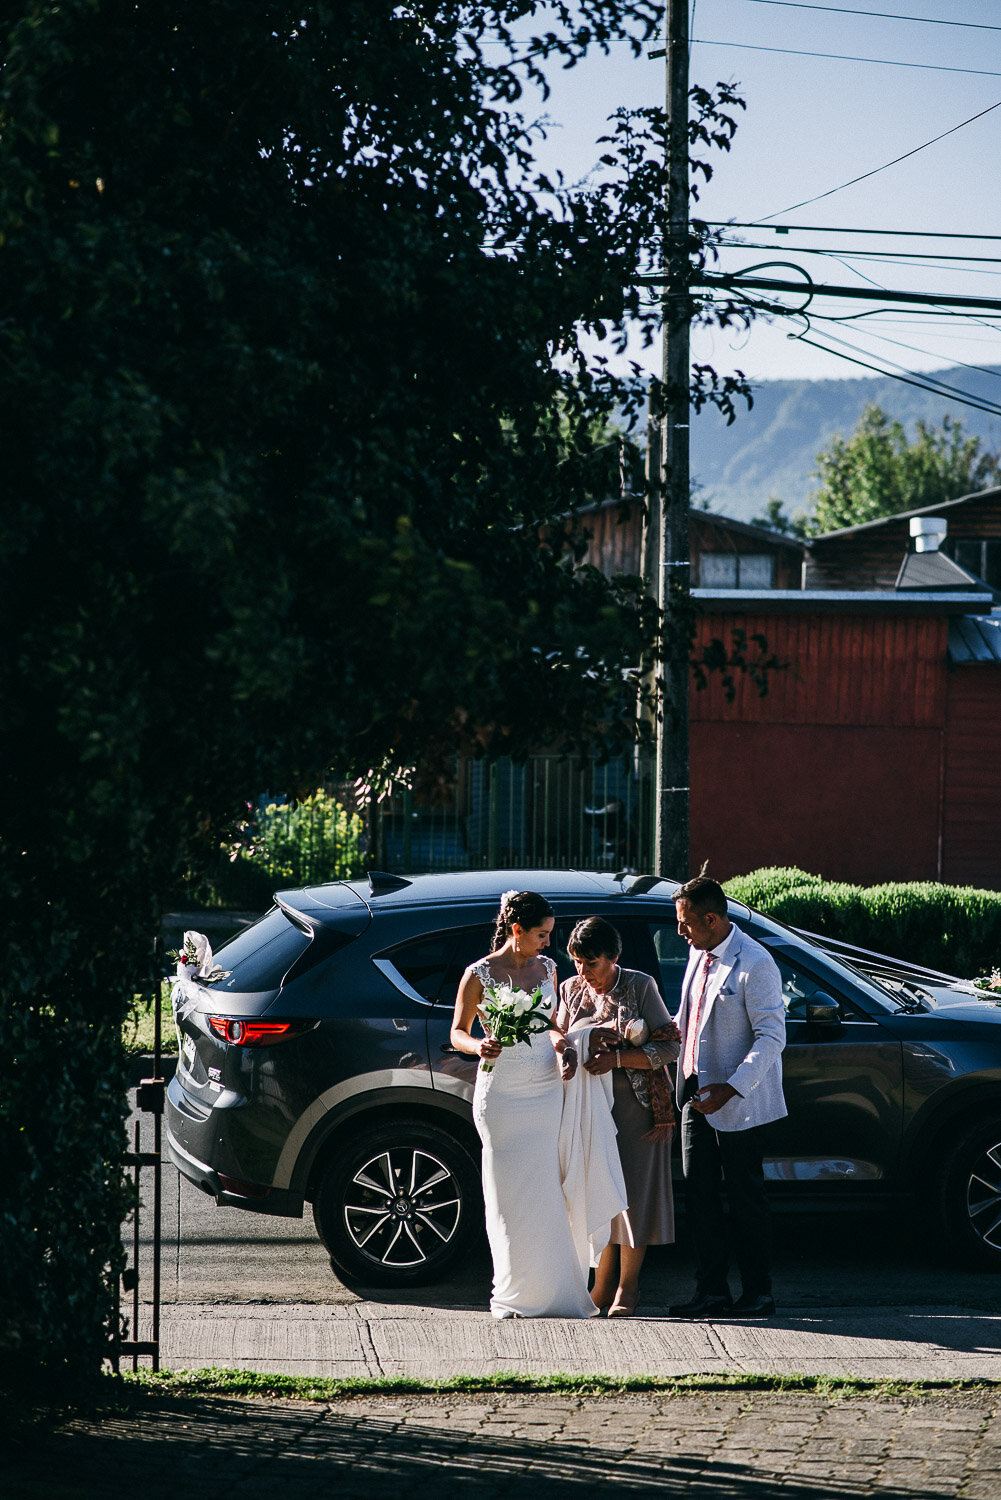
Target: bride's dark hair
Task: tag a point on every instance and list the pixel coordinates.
(527, 908)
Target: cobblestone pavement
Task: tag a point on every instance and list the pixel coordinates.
(701, 1446)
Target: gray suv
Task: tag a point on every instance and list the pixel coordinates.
(319, 1070)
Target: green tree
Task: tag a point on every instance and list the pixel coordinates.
(878, 471)
(775, 518)
(293, 379)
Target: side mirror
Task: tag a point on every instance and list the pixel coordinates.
(823, 1010)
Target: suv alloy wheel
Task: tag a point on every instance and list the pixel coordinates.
(399, 1206)
(971, 1196)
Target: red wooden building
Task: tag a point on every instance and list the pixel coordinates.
(874, 755)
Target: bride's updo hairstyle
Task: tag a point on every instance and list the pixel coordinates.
(527, 908)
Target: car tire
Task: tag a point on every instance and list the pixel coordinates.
(399, 1205)
(970, 1200)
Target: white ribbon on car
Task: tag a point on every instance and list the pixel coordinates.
(203, 966)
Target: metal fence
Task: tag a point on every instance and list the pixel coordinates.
(551, 812)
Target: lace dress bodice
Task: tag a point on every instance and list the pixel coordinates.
(535, 1058)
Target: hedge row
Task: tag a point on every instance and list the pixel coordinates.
(954, 928)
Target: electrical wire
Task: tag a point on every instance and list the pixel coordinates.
(862, 177)
(884, 338)
(894, 258)
(881, 15)
(888, 374)
(886, 62)
(940, 385)
(909, 234)
(845, 257)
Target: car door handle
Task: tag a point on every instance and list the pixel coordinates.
(449, 1050)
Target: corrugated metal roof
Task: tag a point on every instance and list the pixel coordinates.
(974, 639)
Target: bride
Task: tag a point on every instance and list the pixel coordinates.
(518, 1106)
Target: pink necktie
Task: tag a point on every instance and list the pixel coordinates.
(692, 1034)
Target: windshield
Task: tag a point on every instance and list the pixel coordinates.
(881, 984)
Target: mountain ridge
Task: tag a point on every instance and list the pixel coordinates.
(772, 449)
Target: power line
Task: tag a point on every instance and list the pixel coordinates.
(823, 289)
(889, 375)
(910, 234)
(884, 338)
(928, 378)
(890, 258)
(862, 176)
(886, 62)
(882, 15)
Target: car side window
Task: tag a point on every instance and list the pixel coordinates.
(671, 952)
(799, 987)
(471, 943)
(558, 949)
(424, 962)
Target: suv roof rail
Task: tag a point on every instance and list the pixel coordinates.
(380, 883)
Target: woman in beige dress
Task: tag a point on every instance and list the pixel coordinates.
(636, 1038)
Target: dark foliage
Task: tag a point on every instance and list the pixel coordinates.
(280, 291)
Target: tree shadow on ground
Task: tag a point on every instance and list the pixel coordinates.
(407, 1447)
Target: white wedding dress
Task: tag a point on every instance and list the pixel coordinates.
(518, 1108)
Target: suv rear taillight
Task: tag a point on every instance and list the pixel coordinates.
(242, 1033)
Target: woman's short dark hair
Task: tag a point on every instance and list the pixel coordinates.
(527, 908)
(594, 938)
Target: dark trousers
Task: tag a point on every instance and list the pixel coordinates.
(711, 1158)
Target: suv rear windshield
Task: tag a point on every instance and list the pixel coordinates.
(261, 956)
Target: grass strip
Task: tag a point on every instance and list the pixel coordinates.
(222, 1382)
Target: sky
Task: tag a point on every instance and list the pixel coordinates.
(811, 124)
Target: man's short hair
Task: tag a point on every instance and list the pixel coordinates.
(703, 894)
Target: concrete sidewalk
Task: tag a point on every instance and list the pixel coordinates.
(372, 1339)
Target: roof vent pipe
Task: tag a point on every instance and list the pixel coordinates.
(928, 532)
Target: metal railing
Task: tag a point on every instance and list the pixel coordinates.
(550, 812)
(150, 1098)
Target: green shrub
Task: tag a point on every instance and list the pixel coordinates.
(314, 839)
(768, 883)
(953, 928)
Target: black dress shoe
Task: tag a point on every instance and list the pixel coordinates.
(702, 1306)
(761, 1305)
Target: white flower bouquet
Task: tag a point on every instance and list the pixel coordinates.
(513, 1015)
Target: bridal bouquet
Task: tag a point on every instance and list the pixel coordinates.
(513, 1015)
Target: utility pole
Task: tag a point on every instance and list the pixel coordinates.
(669, 475)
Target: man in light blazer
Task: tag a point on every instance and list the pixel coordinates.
(729, 1085)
